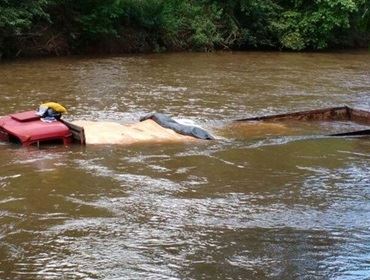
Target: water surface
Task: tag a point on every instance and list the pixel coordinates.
(279, 204)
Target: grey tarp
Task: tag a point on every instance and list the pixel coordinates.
(167, 122)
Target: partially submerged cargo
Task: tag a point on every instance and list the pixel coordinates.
(27, 128)
(343, 113)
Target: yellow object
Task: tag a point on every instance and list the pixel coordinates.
(55, 106)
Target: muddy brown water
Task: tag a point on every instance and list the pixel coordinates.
(259, 203)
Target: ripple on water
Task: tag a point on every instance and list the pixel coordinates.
(280, 207)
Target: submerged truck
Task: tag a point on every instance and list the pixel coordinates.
(27, 128)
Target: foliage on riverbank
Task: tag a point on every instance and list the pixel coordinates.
(37, 27)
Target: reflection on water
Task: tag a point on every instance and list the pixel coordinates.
(264, 201)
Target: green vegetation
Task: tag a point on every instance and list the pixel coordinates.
(36, 27)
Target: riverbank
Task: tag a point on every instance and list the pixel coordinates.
(51, 45)
(45, 28)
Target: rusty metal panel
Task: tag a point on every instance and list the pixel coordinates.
(78, 133)
(359, 116)
(343, 113)
(335, 114)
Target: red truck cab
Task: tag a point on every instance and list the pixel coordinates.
(27, 128)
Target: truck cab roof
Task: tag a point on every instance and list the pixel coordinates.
(28, 128)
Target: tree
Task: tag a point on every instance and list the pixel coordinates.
(313, 24)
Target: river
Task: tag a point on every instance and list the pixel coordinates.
(271, 205)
